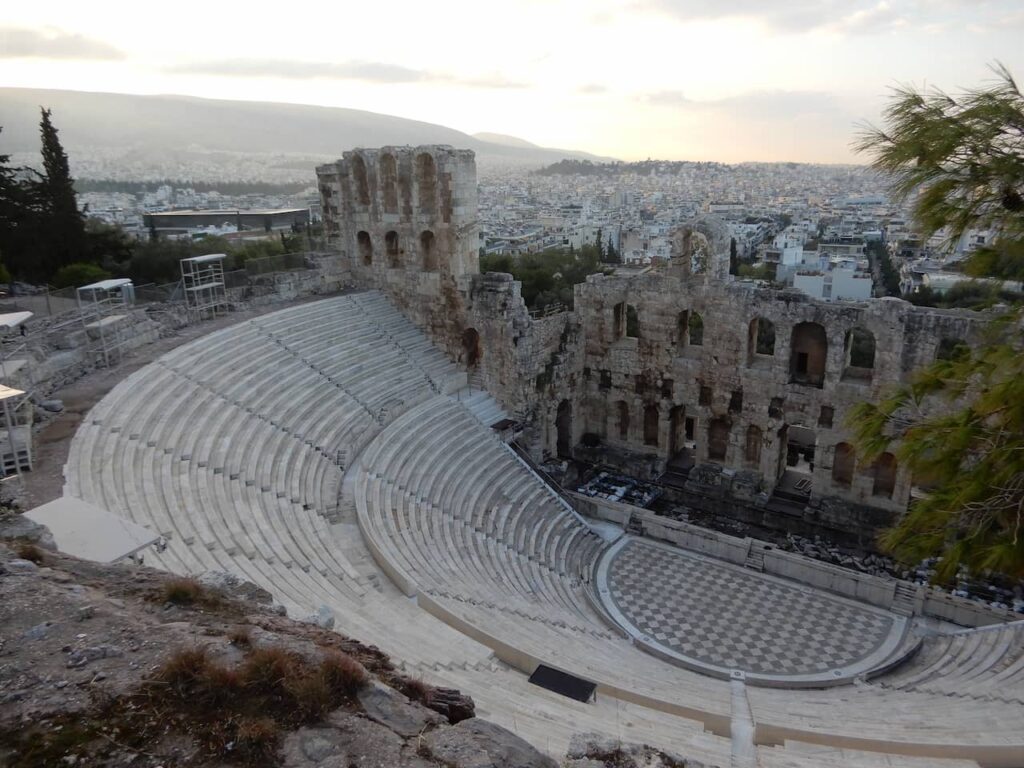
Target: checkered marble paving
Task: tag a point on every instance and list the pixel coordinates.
(731, 617)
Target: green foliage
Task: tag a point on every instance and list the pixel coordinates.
(970, 457)
(78, 274)
(758, 272)
(547, 277)
(61, 233)
(958, 427)
(5, 276)
(879, 254)
(963, 158)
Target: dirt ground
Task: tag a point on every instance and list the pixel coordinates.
(46, 480)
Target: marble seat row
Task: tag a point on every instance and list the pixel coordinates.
(979, 663)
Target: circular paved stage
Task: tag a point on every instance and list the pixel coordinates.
(719, 618)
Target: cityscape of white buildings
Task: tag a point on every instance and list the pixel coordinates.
(800, 225)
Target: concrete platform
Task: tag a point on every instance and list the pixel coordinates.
(89, 532)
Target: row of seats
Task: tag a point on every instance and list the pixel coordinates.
(985, 663)
(458, 512)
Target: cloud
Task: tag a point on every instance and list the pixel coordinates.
(799, 16)
(880, 17)
(18, 43)
(366, 71)
(668, 99)
(592, 89)
(754, 105)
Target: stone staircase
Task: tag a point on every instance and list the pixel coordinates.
(904, 600)
(755, 557)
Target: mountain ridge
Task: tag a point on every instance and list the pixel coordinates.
(171, 122)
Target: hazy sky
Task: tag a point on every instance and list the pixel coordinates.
(685, 79)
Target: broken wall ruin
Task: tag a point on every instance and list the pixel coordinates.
(405, 218)
(748, 389)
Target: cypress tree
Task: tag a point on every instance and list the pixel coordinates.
(62, 235)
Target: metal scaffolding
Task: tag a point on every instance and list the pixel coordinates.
(104, 309)
(16, 431)
(203, 281)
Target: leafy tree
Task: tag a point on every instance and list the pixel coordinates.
(62, 232)
(78, 274)
(599, 244)
(958, 427)
(734, 262)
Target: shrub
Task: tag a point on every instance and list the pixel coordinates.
(416, 689)
(240, 637)
(268, 669)
(311, 695)
(193, 677)
(26, 550)
(256, 739)
(79, 274)
(343, 673)
(184, 591)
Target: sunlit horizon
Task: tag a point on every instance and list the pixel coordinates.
(665, 79)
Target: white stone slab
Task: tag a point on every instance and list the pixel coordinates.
(90, 532)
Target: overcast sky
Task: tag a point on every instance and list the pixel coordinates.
(681, 79)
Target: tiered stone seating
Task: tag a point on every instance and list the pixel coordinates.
(985, 663)
(233, 447)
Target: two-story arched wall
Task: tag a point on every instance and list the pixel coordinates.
(764, 382)
(406, 217)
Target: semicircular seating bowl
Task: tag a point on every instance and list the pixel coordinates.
(230, 445)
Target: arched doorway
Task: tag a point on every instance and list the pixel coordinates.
(563, 423)
(471, 347)
(809, 350)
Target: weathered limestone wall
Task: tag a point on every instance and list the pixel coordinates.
(406, 219)
(647, 393)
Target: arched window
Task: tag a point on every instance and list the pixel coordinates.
(760, 338)
(428, 253)
(426, 183)
(950, 349)
(563, 424)
(885, 476)
(471, 346)
(860, 354)
(362, 185)
(632, 322)
(651, 425)
(682, 328)
(808, 353)
(718, 439)
(389, 182)
(627, 322)
(623, 411)
(843, 464)
(365, 247)
(391, 249)
(753, 448)
(696, 329)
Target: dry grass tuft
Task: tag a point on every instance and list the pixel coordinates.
(416, 689)
(240, 637)
(266, 670)
(343, 673)
(26, 550)
(185, 591)
(256, 739)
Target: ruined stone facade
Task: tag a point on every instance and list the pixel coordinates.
(680, 362)
(405, 217)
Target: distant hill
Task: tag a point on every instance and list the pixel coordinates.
(505, 140)
(175, 123)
